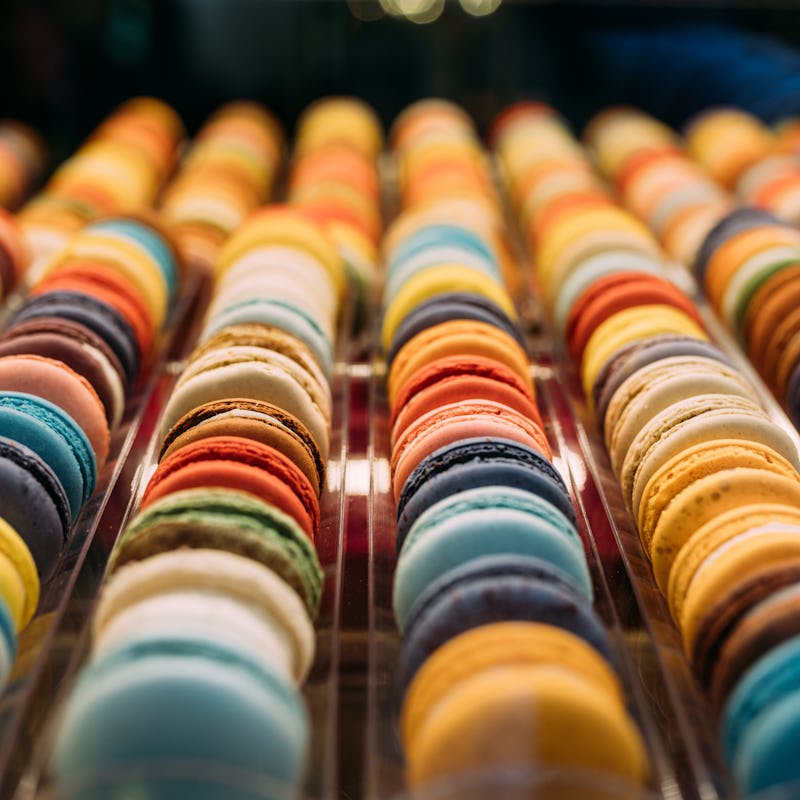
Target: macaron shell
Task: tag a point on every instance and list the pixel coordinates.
(218, 574)
(237, 463)
(499, 644)
(526, 714)
(229, 520)
(771, 543)
(80, 349)
(34, 504)
(61, 386)
(249, 375)
(447, 424)
(455, 338)
(692, 422)
(258, 421)
(630, 325)
(435, 281)
(704, 497)
(769, 623)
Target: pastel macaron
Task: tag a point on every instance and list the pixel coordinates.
(503, 704)
(452, 532)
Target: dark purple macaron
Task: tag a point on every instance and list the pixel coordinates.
(33, 502)
(94, 314)
(77, 346)
(471, 463)
(636, 355)
(497, 588)
(734, 223)
(446, 307)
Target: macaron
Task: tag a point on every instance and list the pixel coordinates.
(92, 313)
(173, 695)
(242, 464)
(56, 383)
(502, 706)
(233, 599)
(759, 724)
(659, 386)
(229, 520)
(79, 348)
(250, 419)
(615, 293)
(56, 438)
(34, 504)
(766, 625)
(701, 483)
(21, 586)
(255, 374)
(639, 354)
(703, 418)
(452, 532)
(456, 338)
(473, 462)
(446, 307)
(456, 421)
(629, 325)
(454, 378)
(436, 281)
(493, 589)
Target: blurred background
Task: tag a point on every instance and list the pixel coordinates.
(67, 63)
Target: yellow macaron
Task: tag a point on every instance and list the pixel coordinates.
(19, 579)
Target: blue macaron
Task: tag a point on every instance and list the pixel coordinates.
(8, 643)
(282, 315)
(57, 438)
(497, 588)
(761, 721)
(470, 463)
(178, 719)
(488, 520)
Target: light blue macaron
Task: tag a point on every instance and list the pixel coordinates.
(282, 315)
(479, 522)
(167, 718)
(433, 256)
(761, 721)
(436, 235)
(56, 438)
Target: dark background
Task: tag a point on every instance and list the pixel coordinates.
(67, 63)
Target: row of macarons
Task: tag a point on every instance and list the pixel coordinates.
(492, 589)
(709, 478)
(69, 358)
(120, 168)
(744, 260)
(206, 621)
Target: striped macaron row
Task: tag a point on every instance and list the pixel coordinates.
(488, 550)
(228, 171)
(712, 484)
(120, 168)
(23, 156)
(231, 511)
(334, 179)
